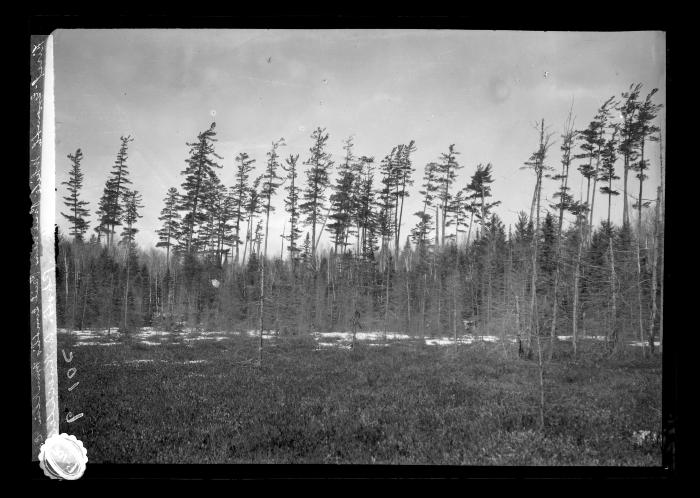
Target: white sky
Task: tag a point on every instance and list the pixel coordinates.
(481, 90)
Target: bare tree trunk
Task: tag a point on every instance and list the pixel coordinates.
(162, 309)
(657, 243)
(555, 303)
(590, 223)
(398, 226)
(639, 250)
(75, 291)
(439, 305)
(455, 281)
(587, 230)
(425, 288)
(489, 297)
(469, 231)
(555, 307)
(67, 276)
(625, 210)
(661, 240)
(262, 280)
(534, 325)
(82, 320)
(534, 322)
(533, 300)
(262, 297)
(534, 197)
(248, 237)
(639, 297)
(577, 273)
(386, 300)
(126, 287)
(355, 314)
(437, 228)
(331, 279)
(408, 306)
(613, 297)
(517, 325)
(454, 307)
(150, 306)
(541, 379)
(111, 299)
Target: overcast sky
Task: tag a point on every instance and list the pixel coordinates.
(480, 90)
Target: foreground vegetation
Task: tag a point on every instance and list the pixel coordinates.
(406, 403)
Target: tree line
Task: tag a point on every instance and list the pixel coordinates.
(555, 272)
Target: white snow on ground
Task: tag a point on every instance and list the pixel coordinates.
(581, 337)
(464, 339)
(96, 343)
(215, 333)
(439, 341)
(333, 345)
(334, 335)
(267, 334)
(209, 336)
(362, 336)
(489, 338)
(445, 340)
(149, 336)
(376, 336)
(151, 333)
(89, 333)
(645, 343)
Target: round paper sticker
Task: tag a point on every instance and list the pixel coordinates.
(63, 457)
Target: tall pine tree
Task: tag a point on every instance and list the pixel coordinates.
(170, 230)
(317, 181)
(341, 200)
(77, 216)
(291, 204)
(240, 191)
(115, 189)
(198, 175)
(447, 174)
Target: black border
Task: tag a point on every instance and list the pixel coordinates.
(673, 465)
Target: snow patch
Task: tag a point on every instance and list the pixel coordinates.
(89, 343)
(151, 333)
(489, 338)
(362, 336)
(332, 345)
(439, 342)
(644, 343)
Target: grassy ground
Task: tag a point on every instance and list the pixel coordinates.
(401, 404)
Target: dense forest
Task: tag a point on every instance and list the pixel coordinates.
(554, 273)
